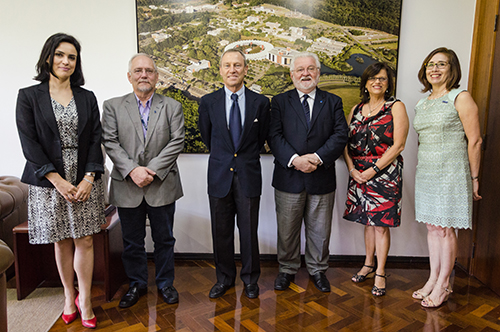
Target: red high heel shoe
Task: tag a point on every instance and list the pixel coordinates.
(88, 323)
(67, 319)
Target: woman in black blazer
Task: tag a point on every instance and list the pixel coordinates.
(60, 133)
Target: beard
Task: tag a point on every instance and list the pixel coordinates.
(145, 88)
(302, 84)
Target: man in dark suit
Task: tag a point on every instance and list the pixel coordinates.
(308, 132)
(234, 123)
(143, 134)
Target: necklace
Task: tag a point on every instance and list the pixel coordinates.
(442, 94)
(432, 102)
(373, 109)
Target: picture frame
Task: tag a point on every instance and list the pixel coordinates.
(186, 39)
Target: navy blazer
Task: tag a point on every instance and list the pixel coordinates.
(224, 158)
(40, 140)
(289, 135)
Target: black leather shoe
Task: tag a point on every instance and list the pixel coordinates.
(252, 291)
(132, 296)
(321, 282)
(218, 290)
(283, 280)
(169, 294)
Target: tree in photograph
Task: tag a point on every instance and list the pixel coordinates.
(192, 138)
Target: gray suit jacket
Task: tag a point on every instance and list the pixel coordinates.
(125, 144)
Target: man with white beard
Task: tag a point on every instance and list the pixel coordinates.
(308, 132)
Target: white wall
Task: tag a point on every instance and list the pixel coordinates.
(106, 30)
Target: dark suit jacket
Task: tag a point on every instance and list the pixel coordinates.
(224, 158)
(288, 134)
(40, 138)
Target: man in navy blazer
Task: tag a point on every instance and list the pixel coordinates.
(308, 132)
(234, 123)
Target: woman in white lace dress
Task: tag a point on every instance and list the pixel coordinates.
(60, 132)
(446, 183)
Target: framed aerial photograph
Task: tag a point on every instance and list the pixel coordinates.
(187, 37)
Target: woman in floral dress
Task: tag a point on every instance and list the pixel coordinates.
(378, 127)
(60, 132)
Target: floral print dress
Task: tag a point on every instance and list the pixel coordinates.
(50, 217)
(378, 201)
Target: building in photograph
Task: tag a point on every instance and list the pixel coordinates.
(326, 45)
(282, 56)
(197, 66)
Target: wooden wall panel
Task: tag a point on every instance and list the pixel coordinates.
(479, 85)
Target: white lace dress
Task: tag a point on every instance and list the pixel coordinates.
(50, 217)
(443, 186)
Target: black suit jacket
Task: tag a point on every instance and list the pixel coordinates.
(288, 135)
(224, 158)
(40, 138)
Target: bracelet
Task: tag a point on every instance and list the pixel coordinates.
(474, 178)
(351, 170)
(376, 168)
(88, 181)
(92, 174)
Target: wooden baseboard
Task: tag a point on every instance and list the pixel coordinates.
(340, 260)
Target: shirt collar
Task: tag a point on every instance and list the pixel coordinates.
(239, 92)
(311, 94)
(148, 103)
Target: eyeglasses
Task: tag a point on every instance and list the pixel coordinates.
(139, 71)
(439, 65)
(310, 69)
(380, 79)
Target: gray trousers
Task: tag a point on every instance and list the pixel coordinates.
(316, 211)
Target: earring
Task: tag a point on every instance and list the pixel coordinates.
(366, 90)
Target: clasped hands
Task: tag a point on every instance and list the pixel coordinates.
(306, 163)
(72, 194)
(142, 176)
(363, 176)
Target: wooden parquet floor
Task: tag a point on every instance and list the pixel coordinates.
(349, 307)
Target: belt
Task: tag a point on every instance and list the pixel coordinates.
(366, 157)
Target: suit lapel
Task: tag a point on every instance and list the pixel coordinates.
(154, 113)
(219, 116)
(45, 106)
(250, 115)
(319, 102)
(296, 105)
(133, 112)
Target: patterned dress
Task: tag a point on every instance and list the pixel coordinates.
(50, 217)
(378, 201)
(443, 186)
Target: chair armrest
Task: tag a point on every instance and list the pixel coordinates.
(6, 257)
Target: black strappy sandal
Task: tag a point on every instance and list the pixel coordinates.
(360, 278)
(379, 291)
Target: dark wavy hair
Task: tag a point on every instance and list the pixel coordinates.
(371, 71)
(44, 68)
(455, 75)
